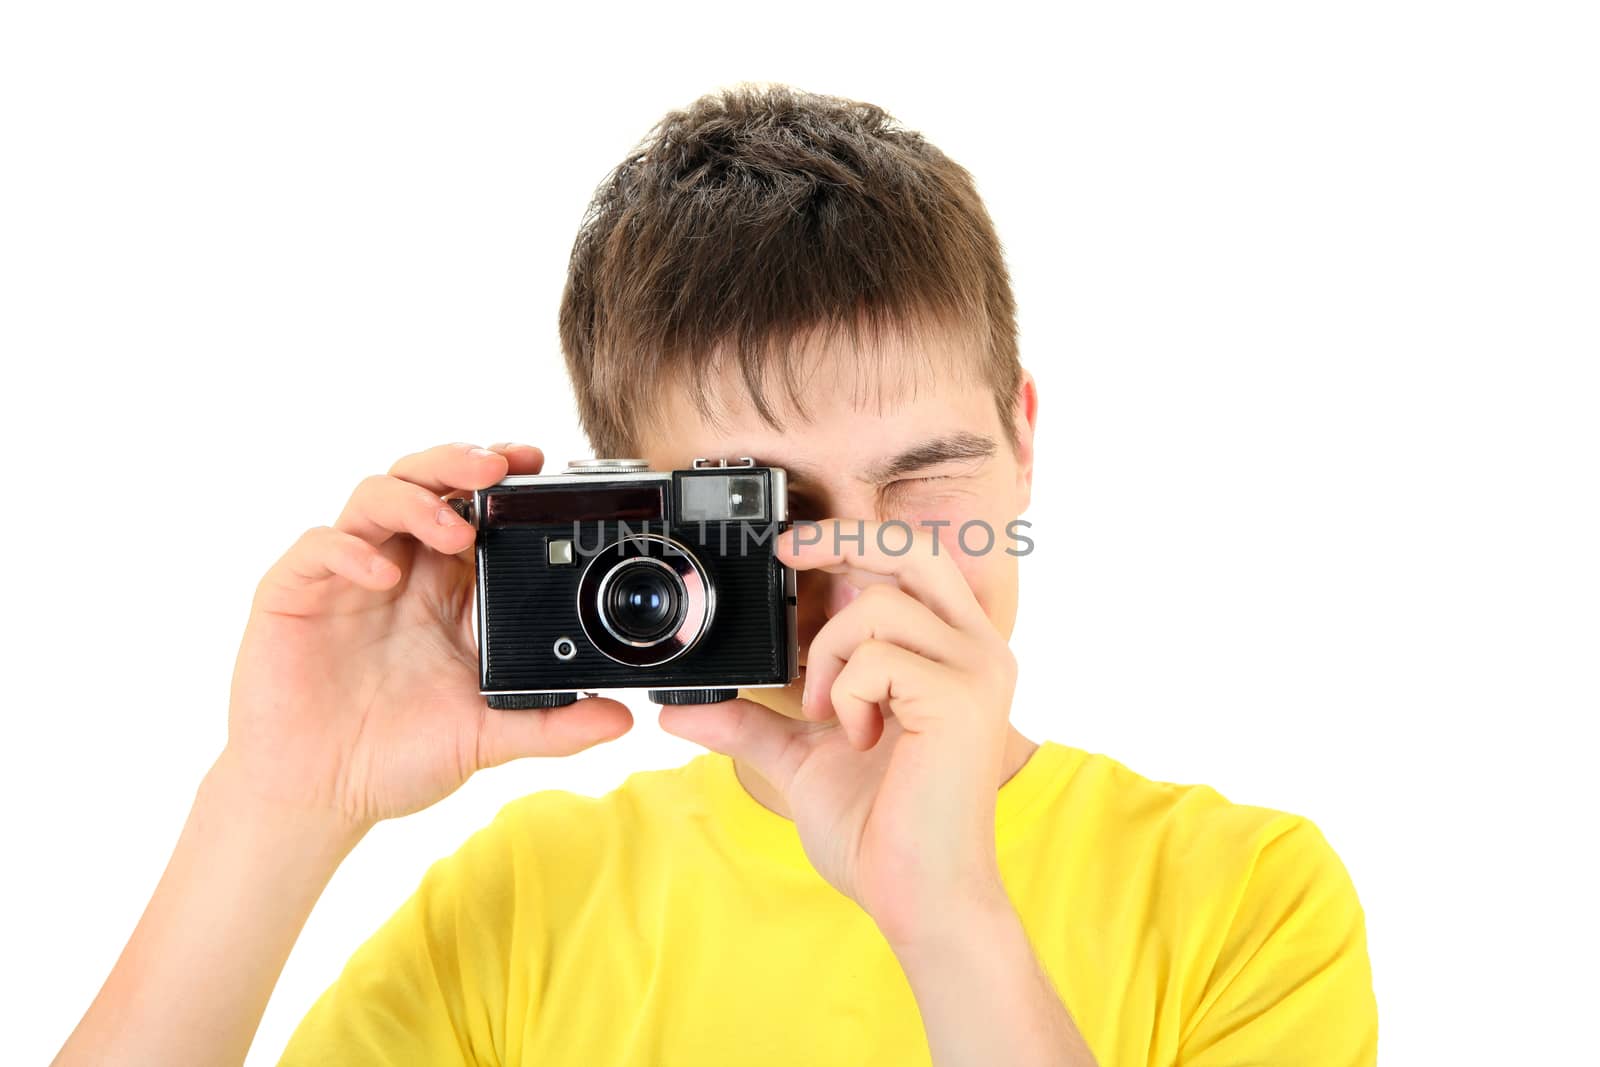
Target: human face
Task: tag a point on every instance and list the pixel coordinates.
(933, 454)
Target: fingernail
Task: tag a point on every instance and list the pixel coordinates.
(447, 516)
(482, 453)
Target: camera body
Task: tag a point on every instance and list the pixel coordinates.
(614, 576)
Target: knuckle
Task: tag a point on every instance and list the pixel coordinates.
(373, 484)
(412, 459)
(878, 594)
(314, 539)
(873, 652)
(824, 643)
(428, 504)
(424, 497)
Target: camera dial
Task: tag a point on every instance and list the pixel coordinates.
(606, 466)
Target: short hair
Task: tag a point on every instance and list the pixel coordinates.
(754, 219)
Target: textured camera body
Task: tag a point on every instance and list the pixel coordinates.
(612, 576)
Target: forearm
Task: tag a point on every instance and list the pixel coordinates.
(984, 997)
(195, 976)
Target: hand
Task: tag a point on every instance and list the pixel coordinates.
(893, 771)
(356, 686)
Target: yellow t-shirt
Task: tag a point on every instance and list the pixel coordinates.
(676, 921)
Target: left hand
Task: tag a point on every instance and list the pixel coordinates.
(891, 776)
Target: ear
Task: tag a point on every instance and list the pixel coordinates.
(1025, 422)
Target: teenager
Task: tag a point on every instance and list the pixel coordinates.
(869, 866)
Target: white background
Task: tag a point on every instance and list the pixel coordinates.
(1310, 292)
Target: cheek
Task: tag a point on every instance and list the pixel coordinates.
(979, 552)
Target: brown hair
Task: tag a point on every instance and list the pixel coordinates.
(756, 218)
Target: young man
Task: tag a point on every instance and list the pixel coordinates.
(870, 866)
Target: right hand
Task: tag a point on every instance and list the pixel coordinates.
(355, 691)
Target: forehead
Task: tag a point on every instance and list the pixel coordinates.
(853, 408)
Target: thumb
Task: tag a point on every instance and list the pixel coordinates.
(744, 730)
(510, 734)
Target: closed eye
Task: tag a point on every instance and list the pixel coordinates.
(903, 486)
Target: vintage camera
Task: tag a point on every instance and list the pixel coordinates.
(613, 576)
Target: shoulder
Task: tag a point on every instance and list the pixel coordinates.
(1191, 822)
(1202, 854)
(1228, 879)
(1250, 904)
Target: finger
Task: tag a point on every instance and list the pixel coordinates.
(520, 459)
(743, 730)
(322, 553)
(383, 506)
(458, 465)
(524, 459)
(506, 735)
(912, 687)
(918, 561)
(880, 613)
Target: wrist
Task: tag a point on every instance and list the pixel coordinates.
(984, 994)
(228, 795)
(945, 933)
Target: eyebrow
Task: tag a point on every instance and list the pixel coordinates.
(945, 449)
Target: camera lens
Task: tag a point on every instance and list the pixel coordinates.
(643, 601)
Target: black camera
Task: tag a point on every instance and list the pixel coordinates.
(614, 576)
